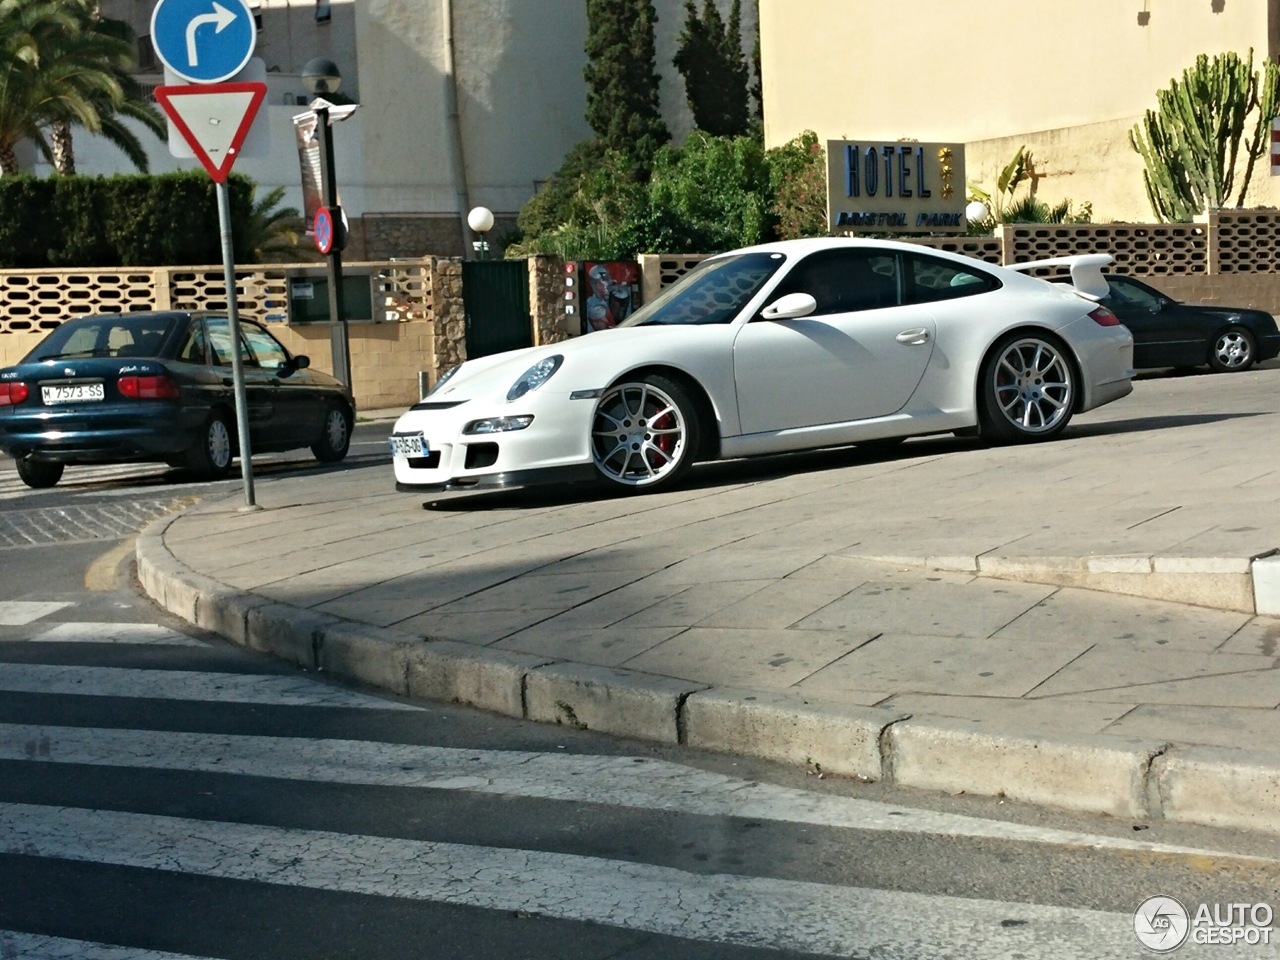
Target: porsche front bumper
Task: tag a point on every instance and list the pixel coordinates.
(553, 448)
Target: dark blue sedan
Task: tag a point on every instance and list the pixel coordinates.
(125, 388)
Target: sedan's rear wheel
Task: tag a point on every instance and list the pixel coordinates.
(1233, 351)
(38, 474)
(645, 434)
(1028, 389)
(210, 456)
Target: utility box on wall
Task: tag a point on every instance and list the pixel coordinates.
(309, 296)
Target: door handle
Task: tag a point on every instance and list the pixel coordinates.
(914, 337)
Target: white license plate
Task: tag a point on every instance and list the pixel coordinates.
(73, 393)
(412, 445)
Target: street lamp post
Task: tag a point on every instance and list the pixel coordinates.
(322, 76)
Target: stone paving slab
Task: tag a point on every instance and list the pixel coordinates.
(846, 578)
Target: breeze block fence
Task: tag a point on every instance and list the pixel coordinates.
(418, 323)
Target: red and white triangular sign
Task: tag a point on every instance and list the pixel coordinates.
(214, 119)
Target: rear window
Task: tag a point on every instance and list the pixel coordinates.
(110, 336)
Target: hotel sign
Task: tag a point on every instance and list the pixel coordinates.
(898, 187)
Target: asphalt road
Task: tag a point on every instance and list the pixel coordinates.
(164, 794)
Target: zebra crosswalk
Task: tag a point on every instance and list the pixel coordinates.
(165, 797)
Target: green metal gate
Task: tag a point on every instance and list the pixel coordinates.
(495, 296)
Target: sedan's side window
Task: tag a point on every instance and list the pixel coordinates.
(264, 348)
(193, 350)
(845, 281)
(219, 334)
(934, 279)
(1130, 296)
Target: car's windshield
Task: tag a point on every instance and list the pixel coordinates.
(109, 336)
(713, 292)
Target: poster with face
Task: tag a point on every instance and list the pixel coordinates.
(610, 293)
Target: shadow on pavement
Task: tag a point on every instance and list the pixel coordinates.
(1147, 424)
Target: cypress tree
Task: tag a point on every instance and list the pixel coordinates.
(757, 85)
(622, 82)
(715, 71)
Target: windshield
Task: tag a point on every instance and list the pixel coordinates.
(713, 292)
(110, 336)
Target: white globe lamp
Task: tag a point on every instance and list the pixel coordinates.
(977, 210)
(480, 220)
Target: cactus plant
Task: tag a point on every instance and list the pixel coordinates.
(1191, 143)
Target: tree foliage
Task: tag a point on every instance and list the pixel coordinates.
(716, 77)
(1190, 144)
(799, 182)
(129, 220)
(62, 64)
(622, 82)
(712, 194)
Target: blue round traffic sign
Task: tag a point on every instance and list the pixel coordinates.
(204, 41)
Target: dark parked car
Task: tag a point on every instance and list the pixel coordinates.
(1167, 333)
(124, 388)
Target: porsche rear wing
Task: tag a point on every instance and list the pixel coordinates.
(1086, 272)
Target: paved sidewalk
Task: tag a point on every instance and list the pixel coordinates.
(850, 579)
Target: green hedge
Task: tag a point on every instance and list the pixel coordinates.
(131, 221)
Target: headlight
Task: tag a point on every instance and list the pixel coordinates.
(497, 425)
(443, 380)
(534, 377)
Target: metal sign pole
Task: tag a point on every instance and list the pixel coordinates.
(237, 363)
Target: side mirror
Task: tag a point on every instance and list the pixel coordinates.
(790, 307)
(1163, 303)
(301, 362)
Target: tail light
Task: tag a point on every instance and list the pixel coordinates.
(1104, 318)
(12, 394)
(148, 388)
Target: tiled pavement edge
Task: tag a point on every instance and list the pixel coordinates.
(1145, 779)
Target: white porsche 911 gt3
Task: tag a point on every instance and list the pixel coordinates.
(781, 347)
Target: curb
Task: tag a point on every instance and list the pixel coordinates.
(1240, 584)
(1100, 774)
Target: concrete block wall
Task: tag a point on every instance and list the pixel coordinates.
(385, 358)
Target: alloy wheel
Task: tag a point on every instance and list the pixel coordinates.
(1233, 350)
(1033, 386)
(639, 434)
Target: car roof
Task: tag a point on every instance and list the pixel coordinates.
(135, 315)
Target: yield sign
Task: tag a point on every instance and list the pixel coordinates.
(214, 119)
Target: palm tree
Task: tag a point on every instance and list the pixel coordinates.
(133, 104)
(53, 68)
(270, 235)
(26, 29)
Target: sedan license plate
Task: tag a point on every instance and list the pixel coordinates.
(73, 393)
(409, 445)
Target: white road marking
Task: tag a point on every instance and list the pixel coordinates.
(183, 685)
(146, 634)
(752, 911)
(611, 781)
(18, 613)
(31, 946)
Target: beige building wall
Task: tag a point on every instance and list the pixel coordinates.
(1068, 79)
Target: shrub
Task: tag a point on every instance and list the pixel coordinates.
(133, 221)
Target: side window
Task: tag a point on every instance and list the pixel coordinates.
(219, 334)
(193, 348)
(263, 348)
(1129, 296)
(845, 281)
(933, 279)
